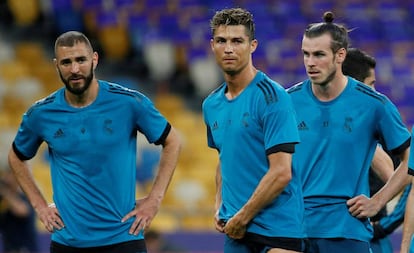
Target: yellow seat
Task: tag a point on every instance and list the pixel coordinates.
(12, 70)
(24, 12)
(115, 41)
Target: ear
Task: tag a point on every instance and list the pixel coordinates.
(95, 58)
(55, 62)
(341, 55)
(253, 45)
(212, 45)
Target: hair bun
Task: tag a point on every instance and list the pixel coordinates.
(328, 17)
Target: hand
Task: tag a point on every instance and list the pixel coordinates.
(219, 223)
(235, 228)
(363, 207)
(144, 212)
(50, 218)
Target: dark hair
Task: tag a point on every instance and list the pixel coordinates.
(234, 16)
(338, 32)
(357, 64)
(69, 39)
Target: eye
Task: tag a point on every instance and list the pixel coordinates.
(220, 40)
(65, 62)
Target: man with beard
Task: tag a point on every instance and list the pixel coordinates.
(90, 127)
(340, 122)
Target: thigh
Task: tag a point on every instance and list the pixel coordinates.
(337, 245)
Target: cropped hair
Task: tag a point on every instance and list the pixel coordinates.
(357, 64)
(338, 32)
(234, 16)
(69, 39)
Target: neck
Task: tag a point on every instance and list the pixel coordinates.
(237, 83)
(330, 90)
(86, 98)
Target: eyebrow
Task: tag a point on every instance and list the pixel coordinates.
(79, 58)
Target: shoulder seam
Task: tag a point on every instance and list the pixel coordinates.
(268, 90)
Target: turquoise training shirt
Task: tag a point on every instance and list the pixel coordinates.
(245, 130)
(338, 141)
(92, 159)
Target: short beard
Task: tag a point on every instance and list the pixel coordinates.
(88, 80)
(328, 79)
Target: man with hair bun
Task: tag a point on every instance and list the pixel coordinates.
(340, 121)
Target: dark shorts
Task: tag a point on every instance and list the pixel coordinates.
(136, 246)
(254, 243)
(337, 245)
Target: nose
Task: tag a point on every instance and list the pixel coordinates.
(74, 67)
(228, 48)
(309, 61)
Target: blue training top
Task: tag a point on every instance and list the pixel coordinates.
(338, 140)
(244, 130)
(93, 159)
(411, 158)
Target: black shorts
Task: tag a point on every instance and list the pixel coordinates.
(135, 246)
(259, 243)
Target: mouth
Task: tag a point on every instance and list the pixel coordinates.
(229, 59)
(75, 79)
(313, 73)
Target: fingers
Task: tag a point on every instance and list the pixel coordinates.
(51, 218)
(139, 225)
(220, 224)
(360, 207)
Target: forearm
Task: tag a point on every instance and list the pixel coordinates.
(395, 184)
(408, 227)
(218, 188)
(269, 187)
(26, 181)
(382, 164)
(167, 165)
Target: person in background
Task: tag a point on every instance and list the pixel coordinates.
(407, 244)
(251, 122)
(340, 121)
(361, 66)
(157, 243)
(90, 127)
(17, 217)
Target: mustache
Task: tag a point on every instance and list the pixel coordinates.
(75, 76)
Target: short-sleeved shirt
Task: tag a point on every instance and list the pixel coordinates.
(338, 141)
(411, 158)
(92, 154)
(245, 130)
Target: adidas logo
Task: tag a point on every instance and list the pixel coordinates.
(302, 126)
(58, 133)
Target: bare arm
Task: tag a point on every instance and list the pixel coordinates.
(382, 164)
(48, 215)
(408, 227)
(148, 207)
(362, 207)
(219, 224)
(271, 185)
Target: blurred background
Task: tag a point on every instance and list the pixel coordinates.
(161, 47)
